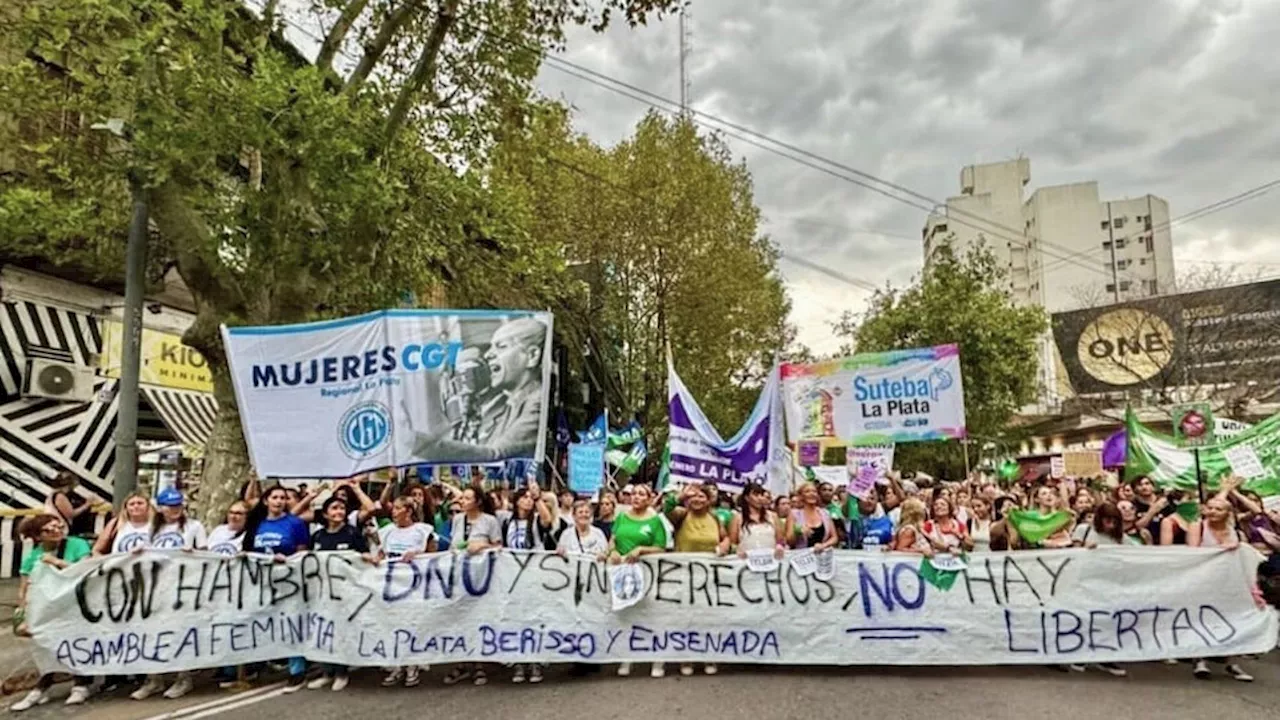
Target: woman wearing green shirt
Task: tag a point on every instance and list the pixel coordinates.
(51, 547)
(637, 532)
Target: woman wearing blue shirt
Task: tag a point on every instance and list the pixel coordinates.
(271, 530)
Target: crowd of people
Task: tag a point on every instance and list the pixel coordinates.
(900, 514)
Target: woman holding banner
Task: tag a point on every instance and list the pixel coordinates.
(475, 530)
(810, 525)
(271, 530)
(52, 547)
(1217, 530)
(698, 530)
(606, 511)
(128, 532)
(403, 540)
(638, 532)
(911, 536)
(756, 527)
(530, 526)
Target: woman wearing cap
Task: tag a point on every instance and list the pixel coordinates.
(52, 547)
(75, 509)
(171, 529)
(271, 530)
(129, 531)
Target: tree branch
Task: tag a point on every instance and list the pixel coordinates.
(373, 51)
(338, 33)
(186, 230)
(423, 70)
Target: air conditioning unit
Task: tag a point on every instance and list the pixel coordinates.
(58, 380)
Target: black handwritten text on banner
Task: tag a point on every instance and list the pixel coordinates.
(160, 612)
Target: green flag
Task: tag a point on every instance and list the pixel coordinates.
(664, 471)
(1189, 511)
(1034, 526)
(1159, 457)
(941, 579)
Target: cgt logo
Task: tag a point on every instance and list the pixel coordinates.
(364, 430)
(1125, 347)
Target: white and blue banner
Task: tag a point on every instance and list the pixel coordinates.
(161, 612)
(392, 388)
(699, 455)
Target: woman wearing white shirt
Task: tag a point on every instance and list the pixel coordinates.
(228, 538)
(403, 540)
(583, 537)
(129, 532)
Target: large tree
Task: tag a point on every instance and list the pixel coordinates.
(282, 185)
(663, 234)
(958, 299)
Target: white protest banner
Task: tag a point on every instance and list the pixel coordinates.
(392, 388)
(803, 563)
(825, 566)
(1244, 461)
(868, 465)
(895, 396)
(762, 560)
(168, 611)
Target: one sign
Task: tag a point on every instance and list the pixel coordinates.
(699, 455)
(165, 360)
(185, 611)
(1193, 424)
(1222, 335)
(392, 388)
(896, 396)
(586, 468)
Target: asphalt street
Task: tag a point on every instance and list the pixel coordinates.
(1152, 690)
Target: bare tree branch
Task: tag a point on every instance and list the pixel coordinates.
(373, 51)
(338, 33)
(423, 70)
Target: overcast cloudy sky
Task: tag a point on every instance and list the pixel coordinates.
(1172, 97)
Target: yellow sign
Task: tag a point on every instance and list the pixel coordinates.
(165, 360)
(1126, 346)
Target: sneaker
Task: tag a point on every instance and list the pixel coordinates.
(1112, 669)
(480, 678)
(232, 683)
(710, 669)
(411, 678)
(340, 683)
(180, 687)
(79, 694)
(393, 678)
(686, 669)
(1202, 670)
(149, 688)
(33, 698)
(518, 676)
(1237, 673)
(456, 675)
(319, 683)
(624, 669)
(1170, 661)
(535, 674)
(296, 683)
(1076, 667)
(658, 670)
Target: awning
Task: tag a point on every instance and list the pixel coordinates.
(189, 415)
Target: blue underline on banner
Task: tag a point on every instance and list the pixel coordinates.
(370, 317)
(897, 629)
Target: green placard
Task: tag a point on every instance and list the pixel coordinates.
(1193, 424)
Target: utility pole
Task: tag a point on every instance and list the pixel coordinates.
(686, 45)
(126, 474)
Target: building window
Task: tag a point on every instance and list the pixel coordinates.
(1124, 285)
(1122, 264)
(1142, 261)
(1117, 223)
(1111, 287)
(1105, 225)
(1119, 243)
(1151, 245)
(1106, 244)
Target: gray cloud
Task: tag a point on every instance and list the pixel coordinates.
(1169, 97)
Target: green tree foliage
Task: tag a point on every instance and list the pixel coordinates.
(957, 300)
(662, 234)
(281, 188)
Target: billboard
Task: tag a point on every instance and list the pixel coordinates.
(165, 360)
(1224, 335)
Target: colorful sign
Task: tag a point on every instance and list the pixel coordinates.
(165, 360)
(1193, 424)
(888, 397)
(392, 388)
(868, 465)
(188, 611)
